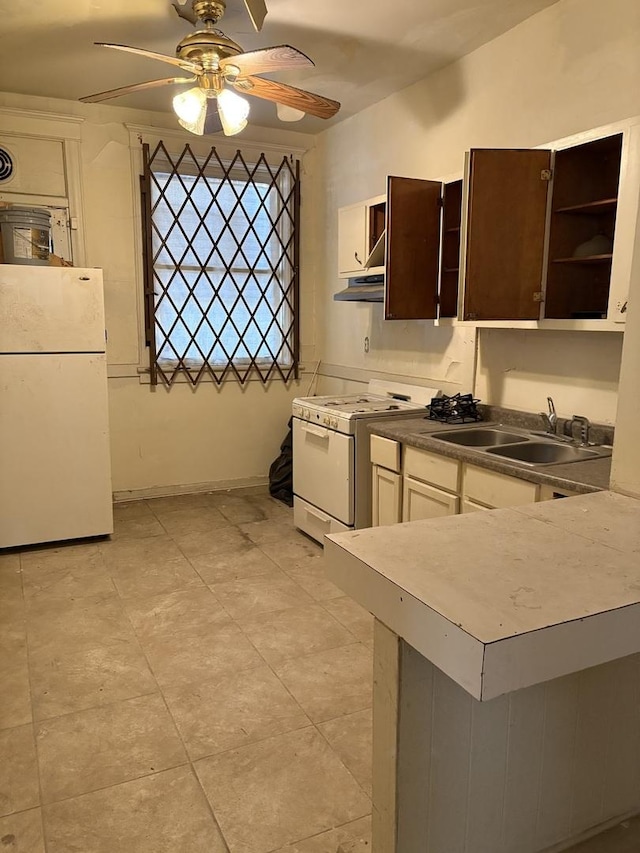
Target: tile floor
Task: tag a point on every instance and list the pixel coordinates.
(193, 684)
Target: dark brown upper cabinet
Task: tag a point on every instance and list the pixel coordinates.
(507, 207)
(540, 231)
(450, 249)
(412, 249)
(408, 234)
(582, 228)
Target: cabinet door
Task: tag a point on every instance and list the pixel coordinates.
(352, 238)
(413, 249)
(421, 501)
(505, 233)
(450, 252)
(386, 496)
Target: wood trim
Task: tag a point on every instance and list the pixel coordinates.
(147, 265)
(297, 201)
(155, 134)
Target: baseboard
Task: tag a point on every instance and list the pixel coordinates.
(246, 485)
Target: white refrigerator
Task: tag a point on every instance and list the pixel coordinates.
(55, 467)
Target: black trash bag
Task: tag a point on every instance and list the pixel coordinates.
(281, 471)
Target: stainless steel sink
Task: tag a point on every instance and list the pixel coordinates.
(478, 437)
(522, 447)
(546, 453)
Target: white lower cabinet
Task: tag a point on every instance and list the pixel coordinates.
(549, 493)
(410, 484)
(470, 506)
(494, 490)
(420, 501)
(386, 490)
(386, 496)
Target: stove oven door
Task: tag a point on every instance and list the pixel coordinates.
(323, 469)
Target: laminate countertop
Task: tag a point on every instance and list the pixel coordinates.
(505, 599)
(592, 475)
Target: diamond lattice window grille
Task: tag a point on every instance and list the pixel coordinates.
(221, 247)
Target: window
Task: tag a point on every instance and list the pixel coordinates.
(221, 266)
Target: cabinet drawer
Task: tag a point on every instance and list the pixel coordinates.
(432, 468)
(548, 493)
(385, 452)
(469, 506)
(497, 490)
(420, 501)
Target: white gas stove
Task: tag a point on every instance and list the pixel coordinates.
(331, 459)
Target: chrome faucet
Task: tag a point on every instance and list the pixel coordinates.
(550, 418)
(585, 426)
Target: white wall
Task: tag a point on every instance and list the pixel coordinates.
(166, 440)
(572, 67)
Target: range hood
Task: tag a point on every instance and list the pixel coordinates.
(365, 288)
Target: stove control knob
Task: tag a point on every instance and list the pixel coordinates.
(334, 423)
(297, 410)
(326, 420)
(305, 413)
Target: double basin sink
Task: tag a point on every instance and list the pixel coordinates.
(520, 447)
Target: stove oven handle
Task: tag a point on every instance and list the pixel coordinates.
(325, 519)
(320, 432)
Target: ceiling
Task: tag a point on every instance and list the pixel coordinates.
(364, 50)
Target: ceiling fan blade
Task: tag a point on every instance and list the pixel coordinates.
(135, 87)
(162, 57)
(257, 10)
(185, 11)
(278, 58)
(308, 102)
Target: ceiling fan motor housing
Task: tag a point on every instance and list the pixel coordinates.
(207, 47)
(209, 10)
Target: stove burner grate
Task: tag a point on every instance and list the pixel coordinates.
(459, 409)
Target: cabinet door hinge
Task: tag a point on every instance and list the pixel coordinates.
(470, 316)
(538, 296)
(545, 175)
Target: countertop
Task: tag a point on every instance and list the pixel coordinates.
(505, 599)
(581, 477)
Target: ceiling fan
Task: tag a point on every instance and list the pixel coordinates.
(218, 66)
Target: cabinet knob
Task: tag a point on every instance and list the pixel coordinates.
(355, 255)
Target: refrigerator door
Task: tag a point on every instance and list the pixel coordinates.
(54, 448)
(51, 309)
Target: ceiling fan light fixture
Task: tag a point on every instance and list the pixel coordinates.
(190, 107)
(196, 127)
(234, 112)
(286, 113)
